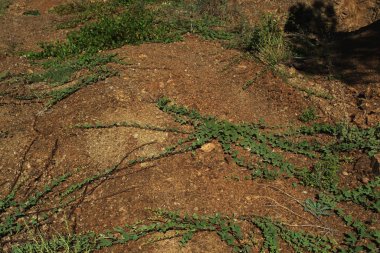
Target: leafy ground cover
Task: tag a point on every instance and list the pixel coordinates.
(43, 199)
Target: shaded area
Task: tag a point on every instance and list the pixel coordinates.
(357, 55)
(319, 18)
(352, 57)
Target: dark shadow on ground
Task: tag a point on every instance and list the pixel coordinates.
(353, 57)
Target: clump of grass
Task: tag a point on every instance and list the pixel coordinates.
(309, 114)
(268, 41)
(196, 17)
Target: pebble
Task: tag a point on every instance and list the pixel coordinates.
(365, 180)
(345, 173)
(208, 147)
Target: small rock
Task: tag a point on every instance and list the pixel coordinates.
(242, 66)
(345, 173)
(375, 164)
(304, 192)
(208, 147)
(146, 165)
(365, 180)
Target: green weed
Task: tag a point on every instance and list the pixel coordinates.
(324, 174)
(185, 227)
(348, 137)
(268, 42)
(317, 208)
(299, 241)
(309, 114)
(31, 13)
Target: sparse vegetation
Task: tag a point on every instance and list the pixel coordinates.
(323, 177)
(262, 152)
(133, 26)
(4, 4)
(58, 72)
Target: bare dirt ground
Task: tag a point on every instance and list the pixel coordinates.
(196, 73)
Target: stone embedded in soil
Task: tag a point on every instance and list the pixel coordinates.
(365, 180)
(345, 173)
(208, 147)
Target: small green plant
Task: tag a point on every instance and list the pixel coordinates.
(309, 114)
(31, 13)
(317, 208)
(268, 41)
